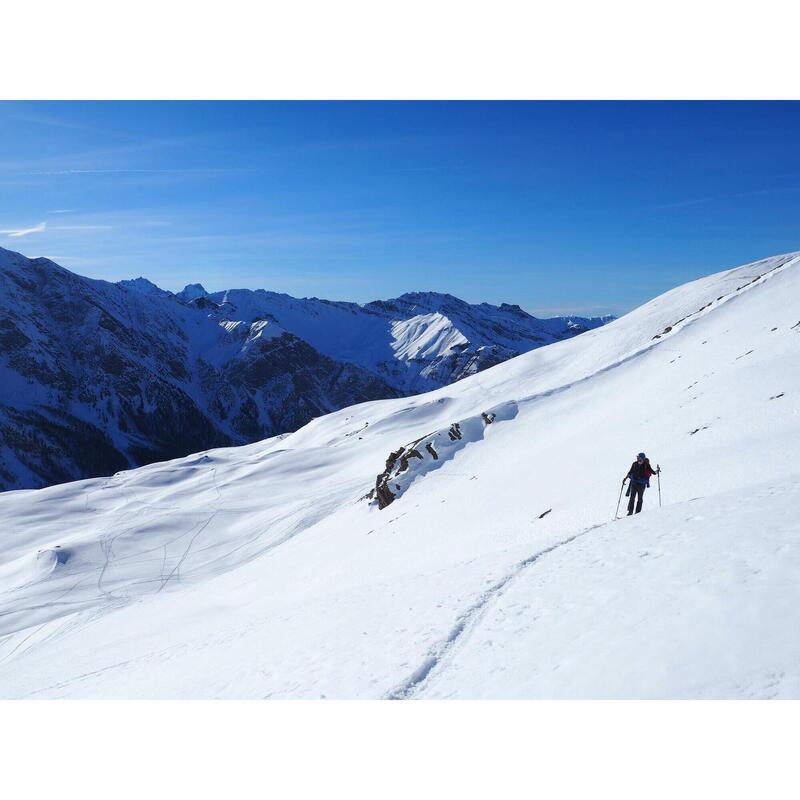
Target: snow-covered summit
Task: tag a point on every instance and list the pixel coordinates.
(418, 341)
(272, 570)
(144, 286)
(415, 342)
(426, 336)
(191, 292)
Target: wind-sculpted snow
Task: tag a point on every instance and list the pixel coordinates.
(432, 452)
(260, 571)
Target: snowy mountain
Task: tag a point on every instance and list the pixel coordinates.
(190, 292)
(416, 342)
(145, 286)
(98, 377)
(454, 544)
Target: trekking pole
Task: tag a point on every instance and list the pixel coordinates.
(616, 513)
(658, 475)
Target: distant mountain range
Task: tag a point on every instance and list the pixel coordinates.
(97, 377)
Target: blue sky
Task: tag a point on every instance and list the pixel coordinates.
(559, 207)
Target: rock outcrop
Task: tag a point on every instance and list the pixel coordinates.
(430, 452)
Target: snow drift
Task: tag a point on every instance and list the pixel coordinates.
(267, 571)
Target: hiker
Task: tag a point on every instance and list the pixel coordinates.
(639, 476)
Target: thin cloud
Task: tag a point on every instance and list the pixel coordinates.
(684, 203)
(734, 196)
(90, 160)
(97, 171)
(432, 168)
(15, 233)
(127, 171)
(38, 117)
(81, 227)
(42, 227)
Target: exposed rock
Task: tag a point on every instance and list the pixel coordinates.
(455, 431)
(409, 462)
(383, 493)
(410, 452)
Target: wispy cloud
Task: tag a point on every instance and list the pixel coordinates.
(36, 116)
(15, 233)
(439, 168)
(111, 156)
(42, 227)
(143, 171)
(683, 203)
(733, 196)
(104, 171)
(81, 227)
(61, 211)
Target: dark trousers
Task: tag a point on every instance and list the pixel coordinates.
(636, 491)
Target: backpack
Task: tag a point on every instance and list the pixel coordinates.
(640, 473)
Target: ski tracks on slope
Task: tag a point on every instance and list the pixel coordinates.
(441, 652)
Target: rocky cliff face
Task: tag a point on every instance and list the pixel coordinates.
(98, 377)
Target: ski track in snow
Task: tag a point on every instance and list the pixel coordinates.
(176, 570)
(467, 621)
(111, 601)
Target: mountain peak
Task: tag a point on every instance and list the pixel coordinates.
(144, 286)
(191, 292)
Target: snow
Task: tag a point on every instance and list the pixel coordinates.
(416, 342)
(425, 336)
(144, 286)
(496, 571)
(715, 628)
(395, 338)
(261, 331)
(191, 292)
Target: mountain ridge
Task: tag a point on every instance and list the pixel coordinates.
(100, 376)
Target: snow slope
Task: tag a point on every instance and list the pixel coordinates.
(493, 571)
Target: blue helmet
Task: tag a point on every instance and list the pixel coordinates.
(642, 456)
